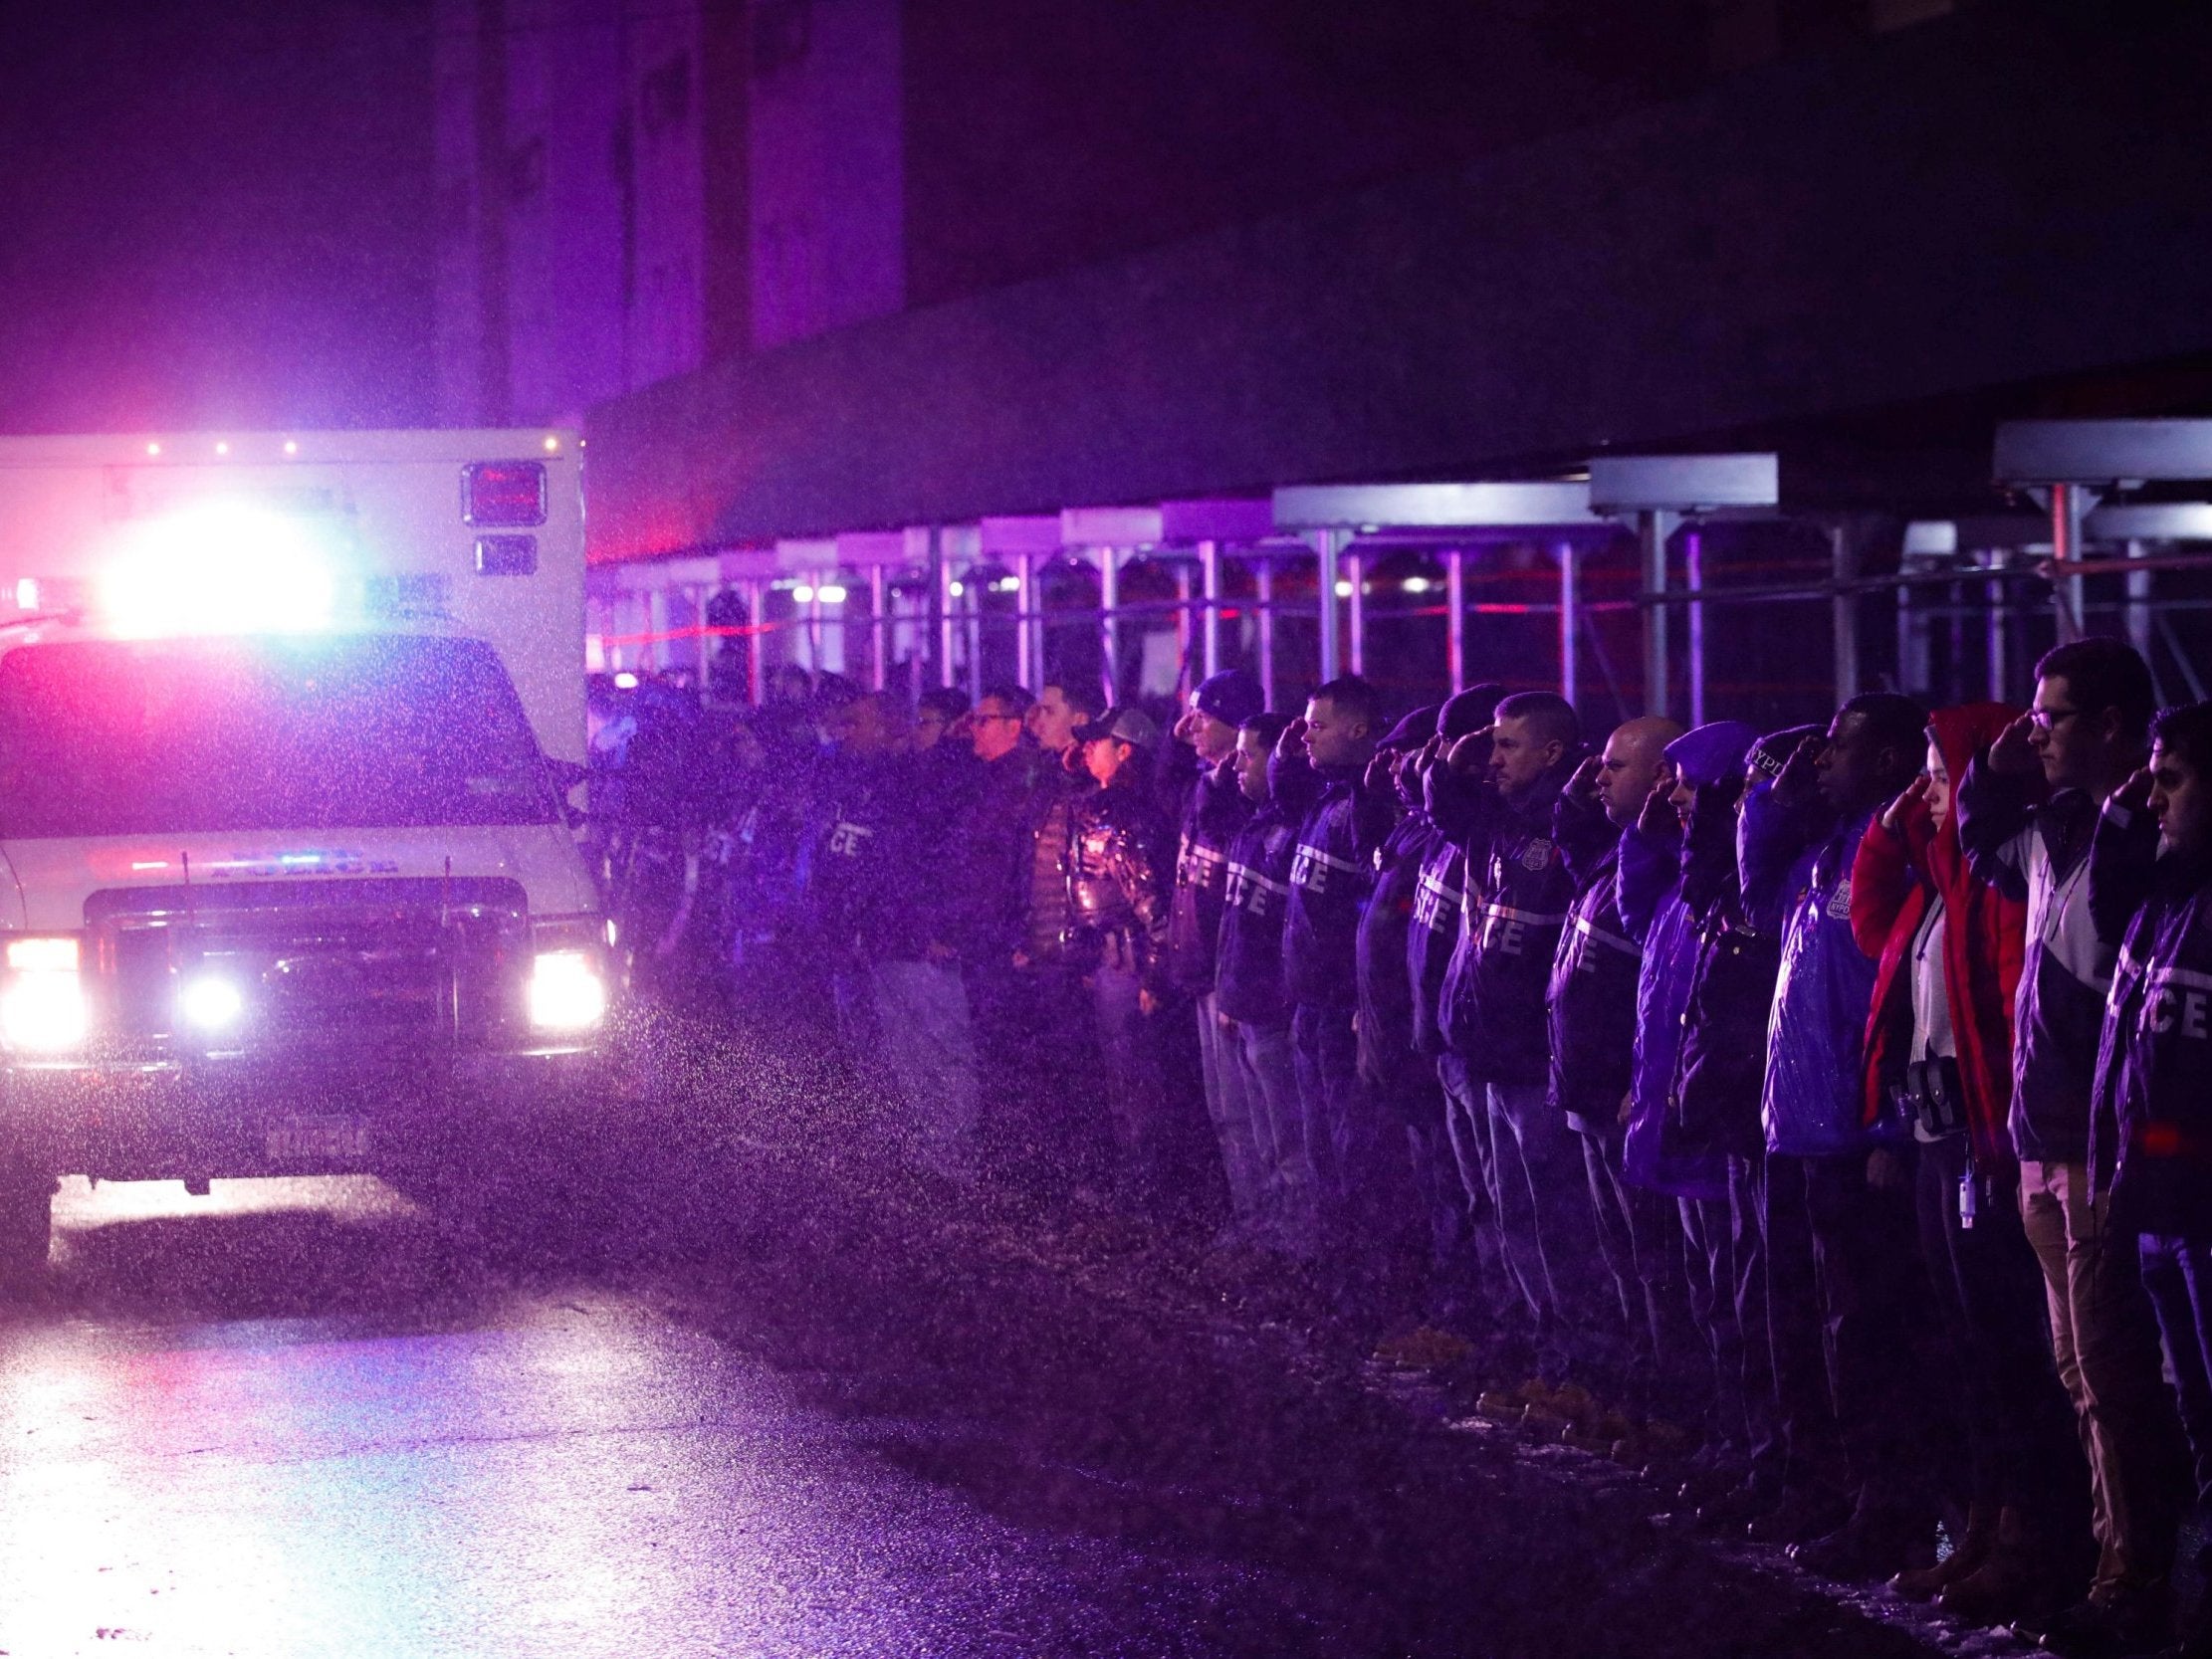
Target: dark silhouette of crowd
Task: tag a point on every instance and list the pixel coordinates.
(1820, 1116)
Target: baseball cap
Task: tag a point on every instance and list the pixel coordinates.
(1129, 723)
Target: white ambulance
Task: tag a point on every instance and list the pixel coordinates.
(288, 879)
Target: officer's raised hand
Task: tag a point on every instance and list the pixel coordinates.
(1900, 810)
(1658, 818)
(1800, 777)
(1377, 780)
(1291, 745)
(2135, 794)
(2014, 751)
(1470, 753)
(1581, 791)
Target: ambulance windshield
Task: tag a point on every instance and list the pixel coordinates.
(263, 733)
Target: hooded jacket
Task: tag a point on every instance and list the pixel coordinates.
(1796, 862)
(1518, 890)
(1332, 874)
(1721, 1074)
(2038, 855)
(1895, 880)
(1666, 885)
(2150, 1115)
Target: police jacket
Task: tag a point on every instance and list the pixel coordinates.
(1592, 996)
(1331, 875)
(2150, 1138)
(1432, 934)
(2040, 854)
(1249, 982)
(1708, 983)
(1213, 810)
(1386, 1035)
(838, 874)
(1517, 891)
(1117, 884)
(1797, 862)
(1672, 887)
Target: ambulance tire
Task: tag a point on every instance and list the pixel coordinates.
(26, 1224)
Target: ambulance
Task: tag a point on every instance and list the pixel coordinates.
(289, 884)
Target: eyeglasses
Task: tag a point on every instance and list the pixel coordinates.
(2043, 720)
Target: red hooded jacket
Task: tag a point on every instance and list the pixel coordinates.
(1984, 942)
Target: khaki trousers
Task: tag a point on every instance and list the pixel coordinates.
(2107, 1349)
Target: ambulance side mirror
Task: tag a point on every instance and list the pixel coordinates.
(564, 776)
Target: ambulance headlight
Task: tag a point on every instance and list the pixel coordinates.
(210, 1004)
(43, 1007)
(568, 991)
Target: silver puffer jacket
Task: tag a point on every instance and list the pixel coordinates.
(1118, 882)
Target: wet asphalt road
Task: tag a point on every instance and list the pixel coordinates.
(730, 1393)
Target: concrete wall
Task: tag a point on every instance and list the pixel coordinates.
(825, 152)
(572, 174)
(2006, 194)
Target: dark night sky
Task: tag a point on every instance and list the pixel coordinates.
(214, 214)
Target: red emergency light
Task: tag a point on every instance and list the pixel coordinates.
(504, 494)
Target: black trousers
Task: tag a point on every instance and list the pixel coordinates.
(2021, 1446)
(1849, 1319)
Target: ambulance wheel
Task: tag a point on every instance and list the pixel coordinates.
(26, 1224)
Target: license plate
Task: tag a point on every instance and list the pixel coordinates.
(322, 1140)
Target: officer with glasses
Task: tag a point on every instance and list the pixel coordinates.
(2027, 810)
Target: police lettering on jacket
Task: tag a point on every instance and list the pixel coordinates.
(1592, 995)
(1518, 890)
(1213, 813)
(1330, 878)
(1438, 896)
(2150, 1140)
(1248, 978)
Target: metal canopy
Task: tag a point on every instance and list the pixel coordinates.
(1036, 534)
(1333, 515)
(1655, 493)
(1440, 507)
(1111, 527)
(2102, 452)
(2072, 464)
(2152, 521)
(1241, 520)
(1683, 482)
